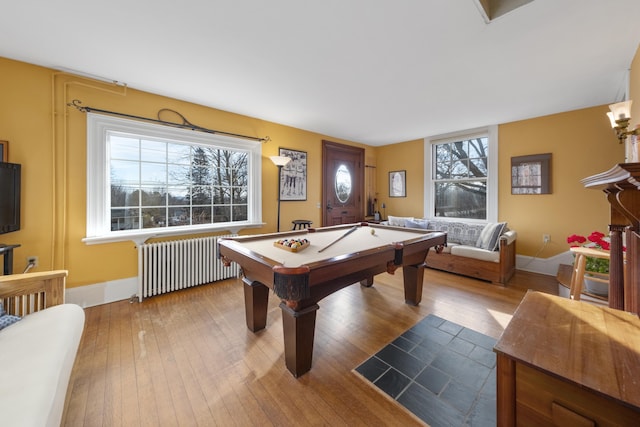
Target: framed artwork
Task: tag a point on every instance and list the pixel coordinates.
(531, 174)
(4, 151)
(398, 183)
(293, 182)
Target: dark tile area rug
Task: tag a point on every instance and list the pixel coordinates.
(442, 372)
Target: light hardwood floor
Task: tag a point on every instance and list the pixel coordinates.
(187, 358)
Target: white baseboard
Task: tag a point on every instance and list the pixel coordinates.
(102, 293)
(548, 266)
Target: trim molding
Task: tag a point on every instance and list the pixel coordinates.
(102, 293)
(548, 266)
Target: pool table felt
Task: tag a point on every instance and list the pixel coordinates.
(359, 240)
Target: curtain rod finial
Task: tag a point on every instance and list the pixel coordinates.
(76, 104)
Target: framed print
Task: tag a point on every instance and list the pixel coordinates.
(397, 184)
(531, 174)
(293, 182)
(4, 151)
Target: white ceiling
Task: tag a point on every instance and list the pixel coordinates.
(370, 71)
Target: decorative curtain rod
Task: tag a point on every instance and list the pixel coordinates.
(184, 125)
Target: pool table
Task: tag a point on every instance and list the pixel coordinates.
(336, 257)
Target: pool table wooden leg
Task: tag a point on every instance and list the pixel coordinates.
(299, 327)
(256, 299)
(413, 276)
(367, 283)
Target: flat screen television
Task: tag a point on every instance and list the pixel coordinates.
(9, 197)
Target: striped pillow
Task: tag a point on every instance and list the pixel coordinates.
(490, 236)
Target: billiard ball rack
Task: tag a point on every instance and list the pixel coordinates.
(292, 245)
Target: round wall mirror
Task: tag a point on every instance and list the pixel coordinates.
(343, 183)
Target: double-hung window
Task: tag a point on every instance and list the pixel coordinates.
(146, 180)
(461, 177)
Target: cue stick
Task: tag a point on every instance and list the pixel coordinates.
(354, 228)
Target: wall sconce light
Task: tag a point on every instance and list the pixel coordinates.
(619, 116)
(279, 161)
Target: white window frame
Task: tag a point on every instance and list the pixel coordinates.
(98, 180)
(491, 132)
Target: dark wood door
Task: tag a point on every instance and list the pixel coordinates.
(342, 183)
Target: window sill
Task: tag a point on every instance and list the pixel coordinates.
(141, 236)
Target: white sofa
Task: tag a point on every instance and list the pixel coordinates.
(485, 251)
(37, 352)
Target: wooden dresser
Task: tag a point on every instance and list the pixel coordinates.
(568, 363)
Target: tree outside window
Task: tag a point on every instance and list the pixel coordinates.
(157, 184)
(460, 171)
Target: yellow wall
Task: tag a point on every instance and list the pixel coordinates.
(408, 156)
(582, 144)
(53, 155)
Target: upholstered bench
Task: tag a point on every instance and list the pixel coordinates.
(485, 251)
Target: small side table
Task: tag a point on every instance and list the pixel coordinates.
(299, 224)
(579, 267)
(7, 252)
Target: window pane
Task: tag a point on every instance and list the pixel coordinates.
(122, 196)
(228, 175)
(240, 213)
(200, 195)
(153, 173)
(221, 213)
(178, 174)
(461, 199)
(125, 148)
(124, 219)
(179, 154)
(460, 169)
(239, 196)
(479, 147)
(478, 167)
(221, 195)
(201, 215)
(179, 217)
(153, 151)
(153, 217)
(442, 163)
(153, 196)
(178, 196)
(124, 172)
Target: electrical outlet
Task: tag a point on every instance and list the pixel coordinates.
(32, 260)
(546, 238)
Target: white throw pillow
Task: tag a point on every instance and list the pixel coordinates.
(399, 221)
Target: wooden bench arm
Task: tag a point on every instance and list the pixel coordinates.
(24, 294)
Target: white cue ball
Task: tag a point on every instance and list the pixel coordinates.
(373, 231)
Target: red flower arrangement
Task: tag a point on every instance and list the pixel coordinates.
(595, 240)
